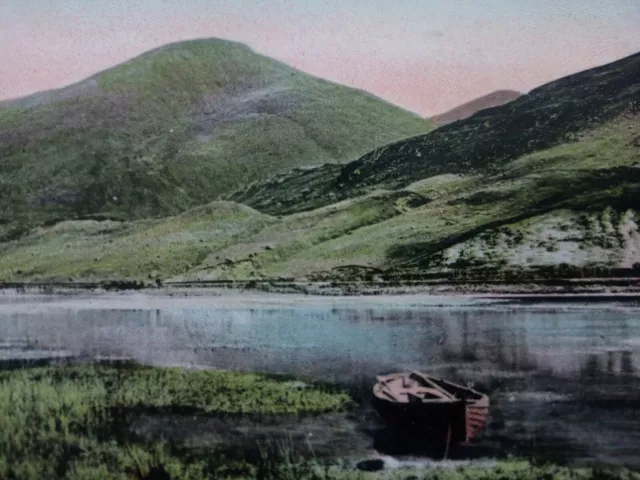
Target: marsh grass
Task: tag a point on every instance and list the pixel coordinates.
(71, 422)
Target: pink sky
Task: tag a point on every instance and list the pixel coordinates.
(426, 56)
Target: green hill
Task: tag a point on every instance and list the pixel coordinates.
(549, 181)
(551, 115)
(175, 128)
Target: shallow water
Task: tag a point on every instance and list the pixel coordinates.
(563, 378)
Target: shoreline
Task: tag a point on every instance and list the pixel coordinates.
(610, 289)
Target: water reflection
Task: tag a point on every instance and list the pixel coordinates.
(591, 368)
(626, 364)
(343, 343)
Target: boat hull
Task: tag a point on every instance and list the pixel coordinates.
(436, 419)
(476, 417)
(419, 403)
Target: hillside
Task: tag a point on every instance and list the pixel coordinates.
(549, 182)
(551, 115)
(493, 99)
(175, 128)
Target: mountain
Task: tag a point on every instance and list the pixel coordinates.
(175, 128)
(547, 183)
(493, 99)
(564, 112)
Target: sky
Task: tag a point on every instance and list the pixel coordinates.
(424, 55)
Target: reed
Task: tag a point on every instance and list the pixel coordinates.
(61, 422)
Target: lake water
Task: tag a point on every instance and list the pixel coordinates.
(563, 378)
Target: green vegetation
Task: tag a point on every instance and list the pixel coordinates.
(560, 114)
(219, 240)
(175, 128)
(71, 422)
(575, 204)
(525, 471)
(143, 250)
(551, 178)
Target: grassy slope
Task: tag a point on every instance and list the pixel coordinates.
(551, 115)
(574, 202)
(175, 128)
(219, 240)
(148, 248)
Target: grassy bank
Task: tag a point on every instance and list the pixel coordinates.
(72, 422)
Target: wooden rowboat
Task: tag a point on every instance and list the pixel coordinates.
(417, 401)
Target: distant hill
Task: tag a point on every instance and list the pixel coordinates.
(547, 183)
(175, 128)
(494, 99)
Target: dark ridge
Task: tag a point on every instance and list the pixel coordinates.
(493, 99)
(543, 118)
(549, 115)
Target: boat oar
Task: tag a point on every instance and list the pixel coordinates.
(446, 451)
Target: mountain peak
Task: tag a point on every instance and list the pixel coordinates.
(493, 99)
(178, 126)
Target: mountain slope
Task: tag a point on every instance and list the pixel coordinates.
(550, 115)
(576, 204)
(542, 168)
(493, 99)
(174, 128)
(505, 198)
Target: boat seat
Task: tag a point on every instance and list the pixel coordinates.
(414, 394)
(425, 393)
